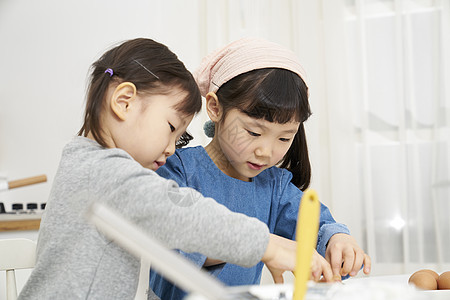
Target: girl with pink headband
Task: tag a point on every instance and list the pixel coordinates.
(257, 162)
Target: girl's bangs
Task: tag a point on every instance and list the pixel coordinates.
(280, 98)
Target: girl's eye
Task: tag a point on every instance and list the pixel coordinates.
(284, 140)
(171, 127)
(253, 133)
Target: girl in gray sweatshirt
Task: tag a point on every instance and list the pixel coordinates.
(140, 101)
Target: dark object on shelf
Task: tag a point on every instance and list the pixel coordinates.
(43, 205)
(17, 206)
(32, 206)
(2, 208)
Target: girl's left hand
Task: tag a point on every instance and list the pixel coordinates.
(345, 256)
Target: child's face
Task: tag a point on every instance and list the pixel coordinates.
(154, 128)
(252, 145)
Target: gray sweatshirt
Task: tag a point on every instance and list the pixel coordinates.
(75, 261)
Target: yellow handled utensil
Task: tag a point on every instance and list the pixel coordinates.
(307, 228)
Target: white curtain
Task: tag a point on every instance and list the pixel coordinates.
(388, 98)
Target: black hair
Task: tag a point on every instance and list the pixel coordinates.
(275, 95)
(151, 67)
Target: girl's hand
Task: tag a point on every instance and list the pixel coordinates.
(280, 256)
(319, 266)
(345, 256)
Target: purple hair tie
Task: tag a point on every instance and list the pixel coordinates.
(109, 71)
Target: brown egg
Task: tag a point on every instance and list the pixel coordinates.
(435, 275)
(444, 281)
(423, 280)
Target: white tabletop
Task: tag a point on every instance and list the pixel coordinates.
(389, 287)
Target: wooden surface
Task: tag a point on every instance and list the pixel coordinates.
(18, 222)
(27, 181)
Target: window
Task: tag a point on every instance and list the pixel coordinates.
(392, 77)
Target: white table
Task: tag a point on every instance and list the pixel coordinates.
(390, 287)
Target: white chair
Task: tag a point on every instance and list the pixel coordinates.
(16, 254)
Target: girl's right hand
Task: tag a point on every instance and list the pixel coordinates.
(280, 256)
(320, 266)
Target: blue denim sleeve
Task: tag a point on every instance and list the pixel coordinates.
(327, 228)
(289, 203)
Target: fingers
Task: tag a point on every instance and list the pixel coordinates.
(336, 264)
(319, 267)
(349, 263)
(348, 258)
(277, 276)
(316, 269)
(359, 260)
(327, 272)
(367, 264)
(280, 253)
(280, 256)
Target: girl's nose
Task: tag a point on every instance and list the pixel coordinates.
(263, 150)
(170, 149)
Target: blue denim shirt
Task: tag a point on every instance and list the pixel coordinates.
(270, 197)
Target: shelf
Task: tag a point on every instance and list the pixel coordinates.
(19, 222)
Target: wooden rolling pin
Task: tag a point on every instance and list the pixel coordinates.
(26, 181)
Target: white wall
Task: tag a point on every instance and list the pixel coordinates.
(46, 50)
(47, 47)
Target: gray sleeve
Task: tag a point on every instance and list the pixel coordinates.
(181, 218)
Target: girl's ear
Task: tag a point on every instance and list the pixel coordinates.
(213, 107)
(121, 99)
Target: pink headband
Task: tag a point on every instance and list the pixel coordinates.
(242, 56)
